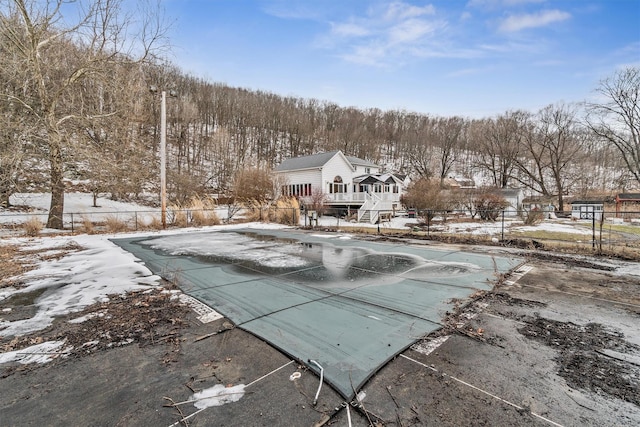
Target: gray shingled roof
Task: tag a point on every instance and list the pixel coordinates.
(316, 161)
(360, 162)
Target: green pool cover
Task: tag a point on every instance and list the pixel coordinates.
(350, 305)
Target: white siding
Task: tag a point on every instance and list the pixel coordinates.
(337, 166)
(309, 176)
(362, 170)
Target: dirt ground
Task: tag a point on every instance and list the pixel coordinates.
(557, 343)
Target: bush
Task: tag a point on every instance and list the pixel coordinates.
(32, 227)
(532, 217)
(490, 205)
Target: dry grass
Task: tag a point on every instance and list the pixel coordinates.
(115, 225)
(154, 224)
(179, 218)
(15, 261)
(203, 213)
(256, 212)
(551, 235)
(87, 226)
(11, 265)
(32, 227)
(622, 228)
(286, 211)
(198, 212)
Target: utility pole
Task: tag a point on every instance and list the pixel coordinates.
(163, 158)
(163, 151)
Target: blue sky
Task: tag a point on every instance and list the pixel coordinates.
(473, 58)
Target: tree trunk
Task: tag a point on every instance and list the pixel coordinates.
(4, 198)
(57, 184)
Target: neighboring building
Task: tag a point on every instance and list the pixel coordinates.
(627, 202)
(587, 209)
(543, 204)
(514, 197)
(350, 183)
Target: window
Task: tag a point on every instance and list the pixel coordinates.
(338, 186)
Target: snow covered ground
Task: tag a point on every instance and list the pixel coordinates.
(92, 267)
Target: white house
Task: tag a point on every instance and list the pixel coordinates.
(348, 182)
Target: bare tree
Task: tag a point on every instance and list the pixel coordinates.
(419, 139)
(617, 118)
(449, 135)
(316, 201)
(559, 129)
(550, 146)
(59, 54)
(499, 144)
(253, 184)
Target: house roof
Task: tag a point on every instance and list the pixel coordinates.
(587, 202)
(316, 161)
(360, 162)
(510, 192)
(386, 178)
(629, 196)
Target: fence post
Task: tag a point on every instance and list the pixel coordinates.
(502, 235)
(135, 219)
(72, 229)
(593, 230)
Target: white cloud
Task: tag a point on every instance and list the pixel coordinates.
(386, 32)
(500, 3)
(350, 30)
(533, 20)
(399, 10)
(410, 31)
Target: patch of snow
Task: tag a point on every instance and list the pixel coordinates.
(218, 395)
(86, 317)
(77, 280)
(39, 353)
(427, 347)
(555, 227)
(233, 247)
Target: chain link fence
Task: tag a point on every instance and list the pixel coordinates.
(604, 230)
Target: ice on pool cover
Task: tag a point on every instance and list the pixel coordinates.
(349, 305)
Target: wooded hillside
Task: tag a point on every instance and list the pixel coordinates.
(75, 103)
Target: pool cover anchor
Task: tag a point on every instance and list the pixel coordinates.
(315, 399)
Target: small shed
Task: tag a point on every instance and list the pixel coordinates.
(514, 197)
(587, 209)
